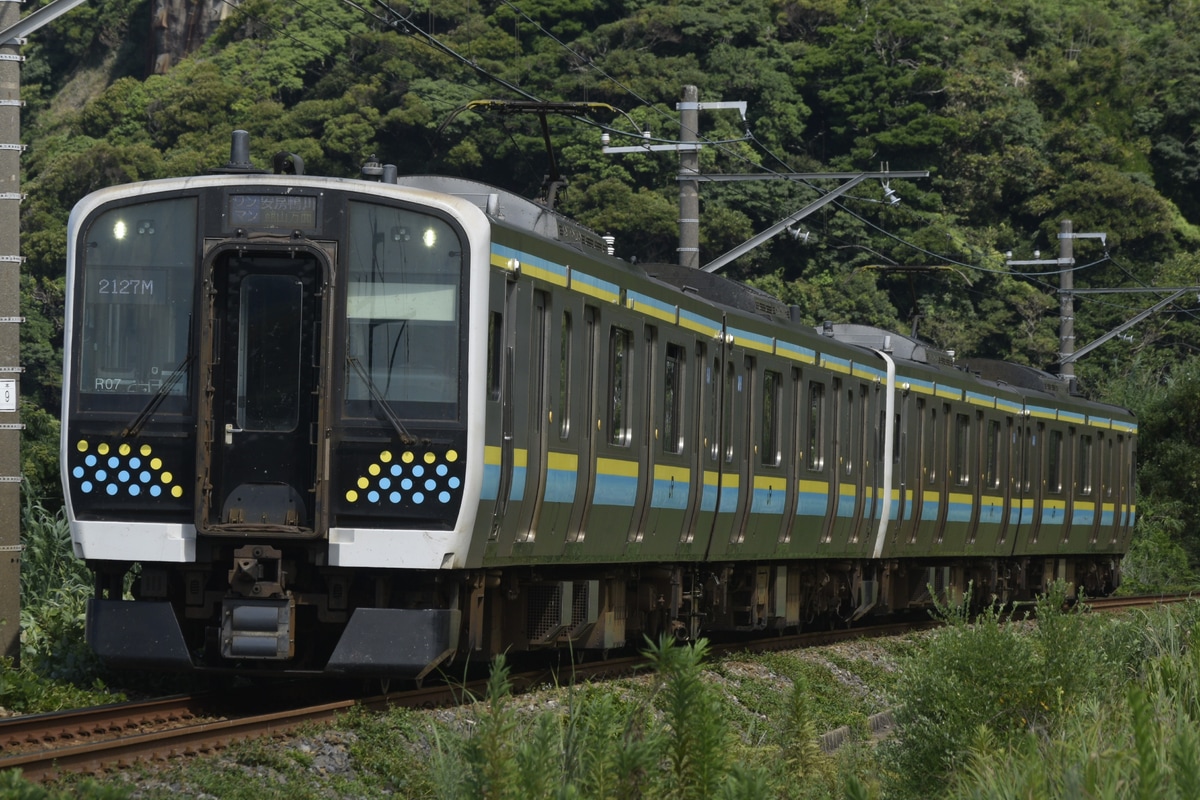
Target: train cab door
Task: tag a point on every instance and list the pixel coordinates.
(262, 360)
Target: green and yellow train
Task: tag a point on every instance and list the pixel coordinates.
(367, 427)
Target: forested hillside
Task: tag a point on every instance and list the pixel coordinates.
(1025, 112)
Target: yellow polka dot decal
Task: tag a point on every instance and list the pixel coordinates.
(121, 470)
(423, 479)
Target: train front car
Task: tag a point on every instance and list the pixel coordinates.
(270, 388)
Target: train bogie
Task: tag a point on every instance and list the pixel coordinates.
(356, 427)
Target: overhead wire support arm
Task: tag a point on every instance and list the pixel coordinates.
(1082, 351)
(816, 205)
(805, 176)
(36, 19)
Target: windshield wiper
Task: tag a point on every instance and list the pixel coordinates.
(405, 436)
(135, 427)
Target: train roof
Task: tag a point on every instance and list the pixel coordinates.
(518, 211)
(717, 289)
(535, 218)
(896, 344)
(911, 349)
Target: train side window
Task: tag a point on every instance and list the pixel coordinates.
(700, 400)
(495, 337)
(1108, 464)
(1054, 462)
(540, 350)
(854, 435)
(881, 434)
(795, 410)
(962, 448)
(1026, 457)
(619, 371)
(816, 425)
(730, 386)
(992, 456)
(1084, 467)
(712, 380)
(564, 377)
(591, 354)
(772, 401)
(896, 438)
(672, 425)
(933, 452)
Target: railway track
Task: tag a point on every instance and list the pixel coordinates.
(93, 740)
(1125, 603)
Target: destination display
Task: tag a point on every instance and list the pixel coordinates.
(272, 211)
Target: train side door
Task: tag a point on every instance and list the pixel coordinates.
(670, 477)
(968, 447)
(1123, 478)
(1100, 493)
(586, 377)
(262, 364)
(1003, 481)
(833, 466)
(536, 438)
(912, 459)
(1027, 507)
(903, 469)
(729, 481)
(1036, 436)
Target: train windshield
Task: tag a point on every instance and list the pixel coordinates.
(137, 272)
(403, 306)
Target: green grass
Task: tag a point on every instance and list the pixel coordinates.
(1071, 705)
(984, 710)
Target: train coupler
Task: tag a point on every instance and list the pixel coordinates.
(257, 571)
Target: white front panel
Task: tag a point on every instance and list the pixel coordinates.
(134, 541)
(397, 549)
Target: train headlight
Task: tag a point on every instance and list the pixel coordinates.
(429, 237)
(119, 230)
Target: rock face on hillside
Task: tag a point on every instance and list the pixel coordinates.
(180, 26)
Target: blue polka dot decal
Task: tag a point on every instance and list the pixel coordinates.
(426, 480)
(121, 470)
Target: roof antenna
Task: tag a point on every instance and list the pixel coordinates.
(239, 155)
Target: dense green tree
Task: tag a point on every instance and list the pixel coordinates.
(1024, 112)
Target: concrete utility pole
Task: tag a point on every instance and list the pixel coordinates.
(1066, 301)
(13, 30)
(1066, 295)
(688, 147)
(689, 187)
(10, 310)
